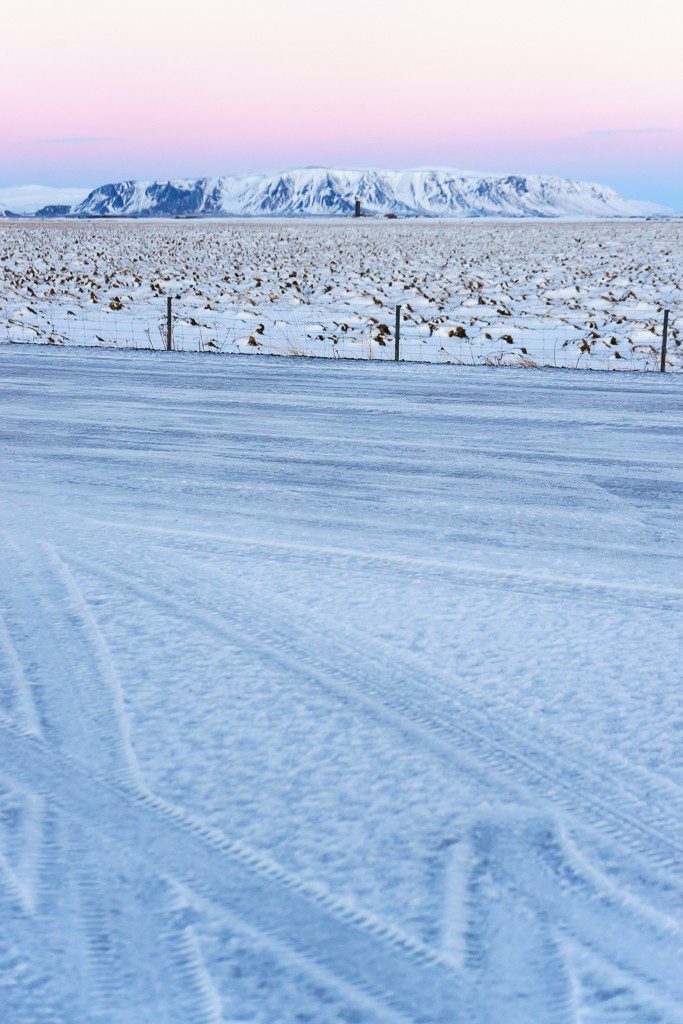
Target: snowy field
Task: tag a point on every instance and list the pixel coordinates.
(587, 295)
(338, 693)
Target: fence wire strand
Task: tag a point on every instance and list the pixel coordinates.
(442, 334)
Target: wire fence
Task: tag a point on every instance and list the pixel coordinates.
(560, 337)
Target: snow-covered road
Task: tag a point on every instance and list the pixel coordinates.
(338, 692)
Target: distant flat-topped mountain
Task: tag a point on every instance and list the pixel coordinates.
(324, 192)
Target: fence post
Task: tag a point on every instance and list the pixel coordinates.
(665, 331)
(397, 334)
(357, 209)
(169, 324)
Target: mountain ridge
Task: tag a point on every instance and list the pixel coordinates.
(331, 192)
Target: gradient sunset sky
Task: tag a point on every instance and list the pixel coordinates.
(96, 92)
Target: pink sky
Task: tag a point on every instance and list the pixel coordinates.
(99, 92)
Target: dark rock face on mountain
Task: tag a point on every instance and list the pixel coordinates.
(53, 210)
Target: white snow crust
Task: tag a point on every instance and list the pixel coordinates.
(338, 692)
(561, 294)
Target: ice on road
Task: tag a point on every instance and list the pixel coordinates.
(338, 692)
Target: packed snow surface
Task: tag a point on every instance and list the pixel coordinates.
(559, 294)
(324, 191)
(338, 692)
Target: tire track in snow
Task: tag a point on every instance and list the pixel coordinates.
(153, 968)
(62, 654)
(459, 573)
(374, 961)
(49, 941)
(81, 709)
(21, 831)
(19, 874)
(520, 969)
(449, 729)
(19, 701)
(168, 907)
(75, 691)
(526, 879)
(643, 789)
(96, 899)
(108, 755)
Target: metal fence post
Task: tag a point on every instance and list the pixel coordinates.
(397, 334)
(169, 324)
(665, 331)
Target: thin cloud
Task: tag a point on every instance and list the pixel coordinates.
(78, 139)
(629, 131)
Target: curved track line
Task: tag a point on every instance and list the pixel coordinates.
(530, 855)
(460, 573)
(61, 651)
(366, 954)
(59, 635)
(644, 788)
(449, 722)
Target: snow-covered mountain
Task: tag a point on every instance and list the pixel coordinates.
(320, 191)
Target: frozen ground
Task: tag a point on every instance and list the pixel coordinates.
(338, 692)
(557, 294)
